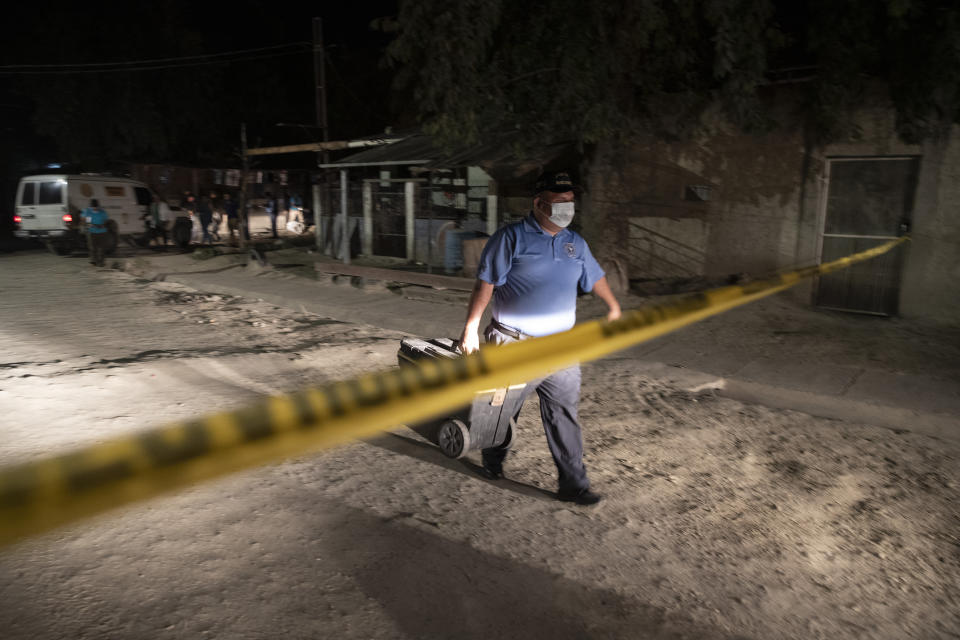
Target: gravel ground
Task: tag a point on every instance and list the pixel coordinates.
(721, 520)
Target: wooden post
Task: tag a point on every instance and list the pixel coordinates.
(244, 223)
(320, 82)
(491, 207)
(320, 98)
(345, 245)
(367, 218)
(430, 226)
(317, 216)
(410, 216)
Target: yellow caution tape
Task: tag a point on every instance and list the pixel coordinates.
(38, 496)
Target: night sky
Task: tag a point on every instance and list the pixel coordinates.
(201, 107)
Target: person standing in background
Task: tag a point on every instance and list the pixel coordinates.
(232, 211)
(159, 218)
(97, 232)
(272, 211)
(216, 216)
(205, 215)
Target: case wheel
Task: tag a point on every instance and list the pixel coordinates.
(453, 438)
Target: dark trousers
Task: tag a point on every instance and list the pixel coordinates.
(158, 232)
(273, 223)
(205, 222)
(98, 248)
(559, 398)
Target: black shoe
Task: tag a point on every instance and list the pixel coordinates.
(583, 497)
(491, 473)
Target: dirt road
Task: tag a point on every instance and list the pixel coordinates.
(721, 520)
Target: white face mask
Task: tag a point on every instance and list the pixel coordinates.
(561, 213)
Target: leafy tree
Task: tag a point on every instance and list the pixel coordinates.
(604, 70)
(909, 47)
(575, 70)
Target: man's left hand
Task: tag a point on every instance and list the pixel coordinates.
(602, 290)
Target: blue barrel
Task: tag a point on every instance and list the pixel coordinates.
(453, 248)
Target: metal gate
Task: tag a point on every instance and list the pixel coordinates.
(333, 223)
(869, 201)
(389, 219)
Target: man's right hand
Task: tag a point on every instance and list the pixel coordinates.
(469, 340)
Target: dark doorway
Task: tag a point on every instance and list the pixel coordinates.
(389, 219)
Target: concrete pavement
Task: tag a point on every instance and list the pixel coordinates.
(883, 371)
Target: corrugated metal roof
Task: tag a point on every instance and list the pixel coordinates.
(415, 149)
(419, 149)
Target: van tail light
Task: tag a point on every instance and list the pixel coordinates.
(17, 219)
(67, 218)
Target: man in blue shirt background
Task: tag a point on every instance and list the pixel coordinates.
(532, 270)
(271, 207)
(98, 237)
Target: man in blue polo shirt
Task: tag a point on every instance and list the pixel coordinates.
(532, 271)
(97, 240)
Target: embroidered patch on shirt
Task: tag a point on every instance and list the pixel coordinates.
(570, 249)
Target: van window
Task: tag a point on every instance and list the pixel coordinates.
(51, 193)
(143, 195)
(29, 193)
(113, 192)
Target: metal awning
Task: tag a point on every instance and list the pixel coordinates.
(348, 165)
(334, 145)
(419, 149)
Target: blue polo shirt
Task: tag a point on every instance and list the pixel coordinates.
(536, 276)
(96, 219)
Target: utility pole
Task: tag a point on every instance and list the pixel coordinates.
(243, 187)
(320, 97)
(320, 81)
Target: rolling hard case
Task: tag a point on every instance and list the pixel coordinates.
(485, 422)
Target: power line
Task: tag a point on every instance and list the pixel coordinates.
(152, 67)
(156, 60)
(150, 64)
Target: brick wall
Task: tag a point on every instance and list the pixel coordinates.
(746, 223)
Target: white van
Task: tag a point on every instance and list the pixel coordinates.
(48, 207)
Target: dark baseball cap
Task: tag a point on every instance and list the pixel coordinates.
(556, 181)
